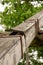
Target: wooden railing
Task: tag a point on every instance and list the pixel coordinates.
(13, 45)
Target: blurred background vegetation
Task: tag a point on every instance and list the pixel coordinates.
(17, 12)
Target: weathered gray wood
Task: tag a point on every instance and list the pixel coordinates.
(23, 27)
(6, 45)
(12, 47)
(10, 51)
(29, 29)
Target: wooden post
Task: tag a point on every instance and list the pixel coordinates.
(27, 56)
(37, 26)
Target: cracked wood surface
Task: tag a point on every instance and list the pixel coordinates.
(6, 44)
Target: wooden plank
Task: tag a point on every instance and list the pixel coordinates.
(7, 44)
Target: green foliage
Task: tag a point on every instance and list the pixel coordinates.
(17, 12)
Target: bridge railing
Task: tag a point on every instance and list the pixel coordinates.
(13, 46)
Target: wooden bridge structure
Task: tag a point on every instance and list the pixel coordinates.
(39, 31)
(14, 44)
